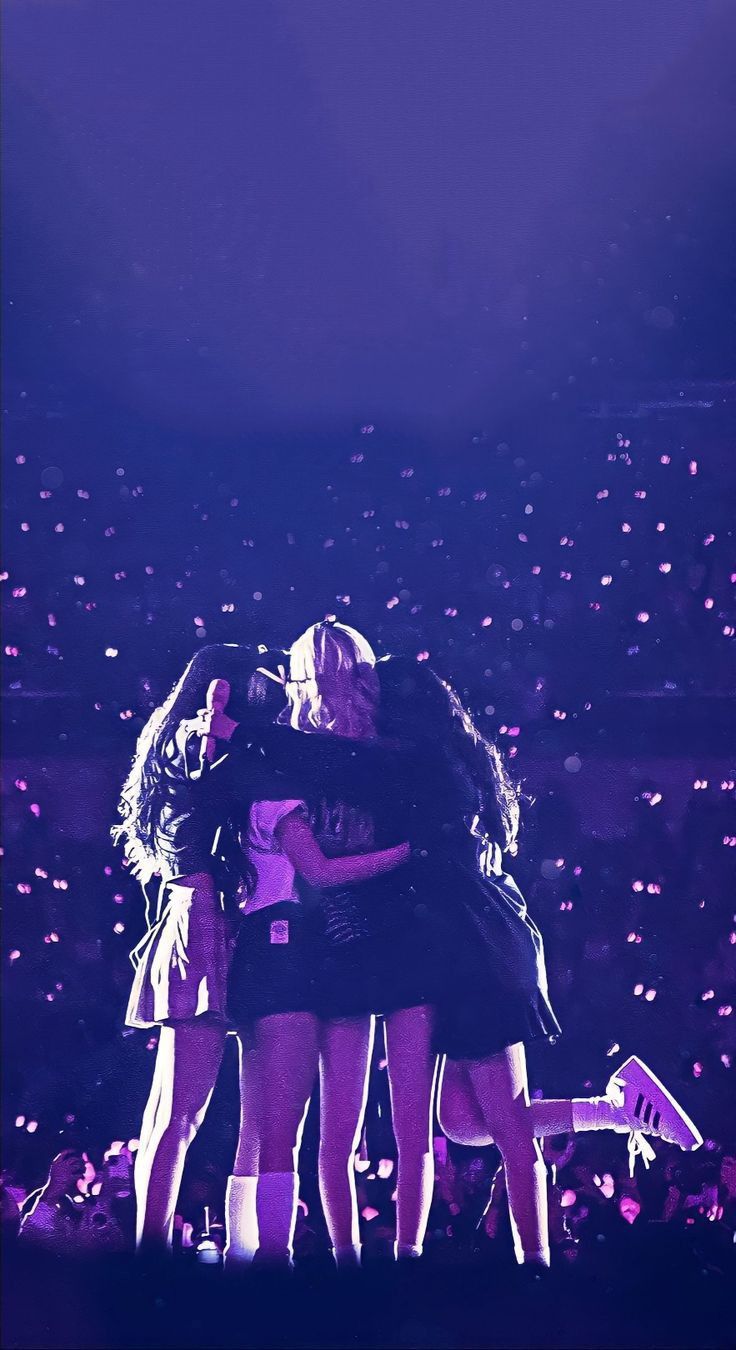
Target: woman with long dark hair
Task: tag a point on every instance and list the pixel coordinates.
(461, 811)
(170, 813)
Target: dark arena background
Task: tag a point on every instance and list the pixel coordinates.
(420, 315)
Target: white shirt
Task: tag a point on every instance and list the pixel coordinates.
(275, 875)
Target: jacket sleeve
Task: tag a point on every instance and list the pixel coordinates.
(282, 762)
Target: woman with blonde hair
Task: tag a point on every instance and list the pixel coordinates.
(375, 958)
(271, 987)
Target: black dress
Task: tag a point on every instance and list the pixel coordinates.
(374, 953)
(481, 953)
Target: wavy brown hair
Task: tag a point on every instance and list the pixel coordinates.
(146, 788)
(416, 704)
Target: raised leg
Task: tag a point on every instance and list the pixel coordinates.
(457, 1106)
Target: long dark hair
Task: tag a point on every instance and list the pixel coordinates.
(145, 792)
(417, 705)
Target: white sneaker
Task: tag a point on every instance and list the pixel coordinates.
(648, 1108)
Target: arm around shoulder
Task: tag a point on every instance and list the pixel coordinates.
(299, 844)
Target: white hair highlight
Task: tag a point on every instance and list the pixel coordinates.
(332, 684)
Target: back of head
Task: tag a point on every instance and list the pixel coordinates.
(416, 704)
(141, 797)
(332, 683)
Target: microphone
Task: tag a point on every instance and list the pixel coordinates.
(218, 695)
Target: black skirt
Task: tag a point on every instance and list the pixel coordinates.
(273, 966)
(475, 1027)
(493, 992)
(371, 958)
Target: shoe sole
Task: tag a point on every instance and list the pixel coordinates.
(696, 1137)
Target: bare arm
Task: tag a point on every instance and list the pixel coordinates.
(301, 848)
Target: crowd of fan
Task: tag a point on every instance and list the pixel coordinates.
(495, 563)
(545, 586)
(84, 1211)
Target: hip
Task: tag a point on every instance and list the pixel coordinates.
(273, 965)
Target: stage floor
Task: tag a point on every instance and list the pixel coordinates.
(656, 1292)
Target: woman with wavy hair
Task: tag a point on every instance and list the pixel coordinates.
(171, 811)
(461, 811)
(444, 948)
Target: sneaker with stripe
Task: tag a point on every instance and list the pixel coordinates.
(647, 1107)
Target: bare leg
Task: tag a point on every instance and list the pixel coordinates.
(635, 1103)
(240, 1193)
(286, 1048)
(149, 1115)
(278, 1067)
(188, 1061)
(345, 1054)
(412, 1070)
(462, 1119)
(500, 1085)
(457, 1106)
(246, 1156)
(551, 1117)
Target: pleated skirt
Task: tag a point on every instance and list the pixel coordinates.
(181, 964)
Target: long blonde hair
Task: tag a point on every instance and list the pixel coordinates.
(332, 684)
